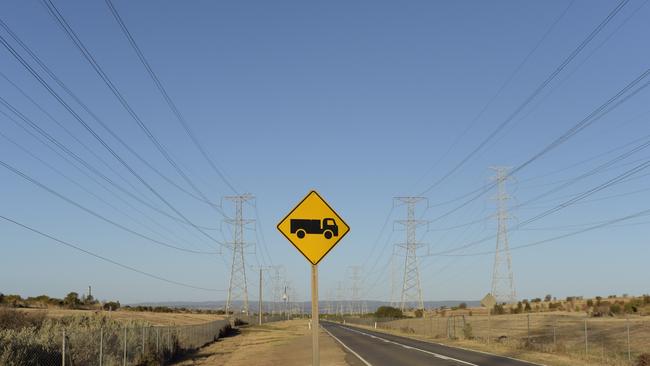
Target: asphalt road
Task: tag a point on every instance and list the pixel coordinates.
(380, 349)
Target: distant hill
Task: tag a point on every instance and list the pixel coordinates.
(371, 305)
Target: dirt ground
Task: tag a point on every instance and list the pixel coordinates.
(151, 317)
(285, 343)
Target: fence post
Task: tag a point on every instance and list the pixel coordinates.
(143, 335)
(629, 351)
(489, 327)
(528, 327)
(101, 346)
(448, 328)
(586, 341)
(124, 359)
(63, 348)
(157, 341)
(554, 335)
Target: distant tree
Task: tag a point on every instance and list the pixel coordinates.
(590, 303)
(615, 309)
(520, 308)
(111, 305)
(419, 313)
(388, 312)
(2, 298)
(462, 305)
(13, 300)
(527, 308)
(498, 309)
(71, 300)
(547, 298)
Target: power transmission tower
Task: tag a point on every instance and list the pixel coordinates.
(393, 281)
(238, 289)
(503, 288)
(411, 290)
(339, 299)
(277, 290)
(355, 279)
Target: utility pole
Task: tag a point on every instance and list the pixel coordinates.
(238, 288)
(261, 300)
(411, 290)
(503, 288)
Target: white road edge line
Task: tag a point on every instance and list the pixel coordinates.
(443, 357)
(347, 348)
(483, 352)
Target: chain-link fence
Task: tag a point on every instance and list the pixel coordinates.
(605, 341)
(102, 341)
(132, 345)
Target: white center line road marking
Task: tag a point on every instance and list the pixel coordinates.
(442, 357)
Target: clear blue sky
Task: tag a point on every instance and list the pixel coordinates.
(358, 100)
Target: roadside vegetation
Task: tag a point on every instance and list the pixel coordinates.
(73, 301)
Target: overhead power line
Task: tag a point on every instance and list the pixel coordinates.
(96, 196)
(533, 95)
(106, 259)
(614, 102)
(54, 12)
(97, 215)
(168, 99)
(103, 124)
(80, 160)
(577, 198)
(496, 95)
(563, 236)
(98, 138)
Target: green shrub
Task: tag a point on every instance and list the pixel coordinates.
(388, 312)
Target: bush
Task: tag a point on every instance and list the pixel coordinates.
(16, 320)
(111, 305)
(498, 309)
(388, 312)
(462, 305)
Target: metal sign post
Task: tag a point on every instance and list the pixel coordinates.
(314, 228)
(314, 316)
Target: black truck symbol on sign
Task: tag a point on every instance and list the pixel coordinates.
(302, 227)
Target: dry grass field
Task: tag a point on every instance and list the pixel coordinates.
(286, 343)
(557, 338)
(150, 317)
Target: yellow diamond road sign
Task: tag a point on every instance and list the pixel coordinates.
(313, 227)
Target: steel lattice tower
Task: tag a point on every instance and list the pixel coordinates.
(411, 290)
(238, 289)
(339, 299)
(355, 278)
(503, 288)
